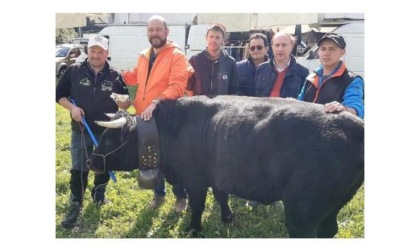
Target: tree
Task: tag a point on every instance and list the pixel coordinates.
(64, 35)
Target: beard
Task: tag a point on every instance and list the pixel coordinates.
(157, 42)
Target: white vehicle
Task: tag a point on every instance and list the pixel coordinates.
(196, 39)
(65, 55)
(82, 41)
(127, 41)
(353, 34)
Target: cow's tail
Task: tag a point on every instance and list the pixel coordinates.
(358, 182)
(356, 131)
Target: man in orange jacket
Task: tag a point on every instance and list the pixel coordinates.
(161, 73)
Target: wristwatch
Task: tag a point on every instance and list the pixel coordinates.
(156, 101)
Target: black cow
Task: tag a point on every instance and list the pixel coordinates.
(260, 149)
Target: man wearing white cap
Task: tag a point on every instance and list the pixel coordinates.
(89, 84)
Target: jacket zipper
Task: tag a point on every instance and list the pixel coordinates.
(319, 89)
(144, 92)
(212, 77)
(148, 76)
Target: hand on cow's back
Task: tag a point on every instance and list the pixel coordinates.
(335, 106)
(148, 112)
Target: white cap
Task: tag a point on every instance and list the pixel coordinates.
(98, 41)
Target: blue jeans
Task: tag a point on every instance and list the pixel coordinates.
(178, 189)
(78, 151)
(82, 146)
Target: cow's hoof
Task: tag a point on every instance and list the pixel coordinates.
(195, 233)
(228, 219)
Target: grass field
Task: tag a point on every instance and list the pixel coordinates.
(127, 215)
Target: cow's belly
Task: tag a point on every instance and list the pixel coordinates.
(248, 184)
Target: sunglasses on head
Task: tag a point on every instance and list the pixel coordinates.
(258, 47)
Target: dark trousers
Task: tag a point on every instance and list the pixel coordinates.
(81, 147)
(178, 189)
(79, 182)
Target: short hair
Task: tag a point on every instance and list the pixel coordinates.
(291, 37)
(217, 27)
(257, 36)
(160, 18)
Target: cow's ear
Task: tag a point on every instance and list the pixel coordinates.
(129, 126)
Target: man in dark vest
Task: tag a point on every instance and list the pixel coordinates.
(332, 84)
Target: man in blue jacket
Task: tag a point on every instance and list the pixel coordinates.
(258, 48)
(332, 84)
(281, 76)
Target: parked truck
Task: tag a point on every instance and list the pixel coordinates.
(126, 41)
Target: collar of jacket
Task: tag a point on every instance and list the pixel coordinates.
(223, 54)
(86, 64)
(266, 58)
(314, 76)
(292, 61)
(290, 66)
(147, 52)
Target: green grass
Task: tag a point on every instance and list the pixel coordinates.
(128, 217)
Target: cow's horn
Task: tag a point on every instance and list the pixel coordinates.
(110, 115)
(113, 124)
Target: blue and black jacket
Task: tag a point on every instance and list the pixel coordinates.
(342, 86)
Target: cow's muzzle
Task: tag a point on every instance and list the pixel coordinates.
(90, 166)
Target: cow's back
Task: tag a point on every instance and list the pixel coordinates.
(263, 148)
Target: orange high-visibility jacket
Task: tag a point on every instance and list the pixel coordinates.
(167, 79)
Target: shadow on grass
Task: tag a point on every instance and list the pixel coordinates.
(159, 223)
(260, 222)
(86, 225)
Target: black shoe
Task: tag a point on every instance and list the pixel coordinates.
(71, 216)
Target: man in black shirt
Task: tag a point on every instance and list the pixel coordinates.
(89, 84)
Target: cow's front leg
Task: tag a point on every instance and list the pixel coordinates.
(222, 199)
(197, 200)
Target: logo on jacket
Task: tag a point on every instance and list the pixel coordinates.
(225, 77)
(106, 86)
(85, 82)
